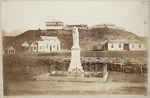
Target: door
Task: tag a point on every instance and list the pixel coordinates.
(126, 47)
(50, 48)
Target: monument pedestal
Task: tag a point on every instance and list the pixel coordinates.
(75, 64)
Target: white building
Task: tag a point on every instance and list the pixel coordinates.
(9, 50)
(119, 45)
(102, 26)
(48, 44)
(55, 24)
(34, 46)
(79, 26)
(110, 26)
(25, 46)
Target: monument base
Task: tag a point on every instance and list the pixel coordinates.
(75, 64)
(75, 69)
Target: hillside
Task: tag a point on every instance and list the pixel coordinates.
(88, 38)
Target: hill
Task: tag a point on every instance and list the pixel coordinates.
(88, 38)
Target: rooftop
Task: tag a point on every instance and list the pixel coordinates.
(125, 41)
(49, 38)
(83, 25)
(9, 47)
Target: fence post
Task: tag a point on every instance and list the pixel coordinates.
(85, 66)
(49, 69)
(38, 65)
(121, 66)
(63, 66)
(96, 67)
(141, 69)
(104, 69)
(17, 63)
(54, 65)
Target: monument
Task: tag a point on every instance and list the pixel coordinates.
(75, 52)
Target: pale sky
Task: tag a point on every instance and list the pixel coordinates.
(133, 16)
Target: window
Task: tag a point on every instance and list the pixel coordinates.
(53, 46)
(132, 46)
(139, 46)
(119, 45)
(40, 47)
(57, 47)
(34, 47)
(50, 47)
(46, 46)
(12, 51)
(112, 46)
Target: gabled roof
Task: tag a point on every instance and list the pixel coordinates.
(104, 42)
(9, 48)
(25, 43)
(106, 24)
(77, 25)
(28, 43)
(125, 41)
(33, 43)
(48, 38)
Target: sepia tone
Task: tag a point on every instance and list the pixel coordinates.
(75, 58)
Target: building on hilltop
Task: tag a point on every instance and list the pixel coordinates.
(110, 26)
(54, 24)
(45, 44)
(102, 26)
(121, 45)
(79, 26)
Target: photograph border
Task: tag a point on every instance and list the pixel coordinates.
(74, 96)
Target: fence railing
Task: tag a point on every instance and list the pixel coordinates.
(48, 66)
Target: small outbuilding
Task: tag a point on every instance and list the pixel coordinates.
(9, 50)
(121, 45)
(130, 45)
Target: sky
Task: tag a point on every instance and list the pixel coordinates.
(20, 16)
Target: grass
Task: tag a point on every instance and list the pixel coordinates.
(111, 54)
(117, 83)
(126, 77)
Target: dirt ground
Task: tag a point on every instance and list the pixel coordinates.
(117, 83)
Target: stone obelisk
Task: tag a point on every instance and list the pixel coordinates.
(75, 52)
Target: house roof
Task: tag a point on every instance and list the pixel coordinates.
(55, 20)
(77, 25)
(107, 24)
(104, 42)
(49, 38)
(29, 42)
(125, 41)
(9, 48)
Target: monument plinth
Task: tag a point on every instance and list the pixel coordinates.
(75, 64)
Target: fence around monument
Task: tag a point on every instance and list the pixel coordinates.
(38, 67)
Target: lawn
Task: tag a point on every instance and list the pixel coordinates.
(117, 83)
(17, 83)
